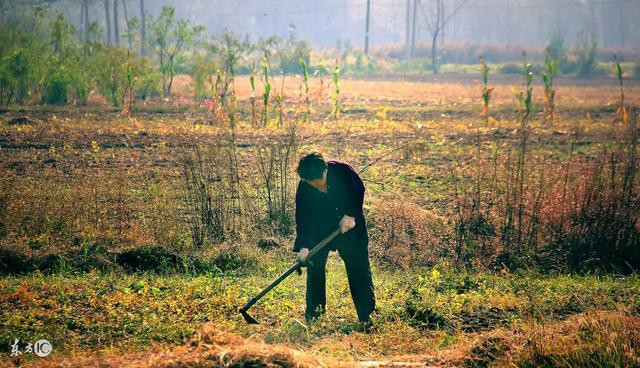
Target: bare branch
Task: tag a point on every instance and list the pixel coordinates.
(455, 11)
(440, 21)
(432, 29)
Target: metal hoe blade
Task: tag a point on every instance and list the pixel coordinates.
(250, 320)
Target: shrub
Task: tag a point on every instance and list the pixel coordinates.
(147, 84)
(510, 68)
(423, 316)
(210, 173)
(13, 261)
(148, 258)
(200, 71)
(600, 231)
(111, 73)
(569, 67)
(517, 68)
(411, 66)
(601, 234)
(82, 81)
(56, 87)
(289, 56)
(557, 49)
(77, 261)
(357, 62)
(7, 89)
(83, 259)
(3, 209)
(586, 51)
(232, 261)
(19, 66)
(159, 259)
(277, 185)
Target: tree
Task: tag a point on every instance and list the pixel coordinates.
(407, 31)
(126, 21)
(58, 79)
(586, 53)
(143, 28)
(437, 20)
(84, 16)
(107, 14)
(116, 23)
(170, 38)
(61, 33)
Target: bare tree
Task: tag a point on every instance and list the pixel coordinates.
(116, 23)
(143, 28)
(126, 21)
(107, 14)
(414, 28)
(437, 20)
(84, 18)
(407, 31)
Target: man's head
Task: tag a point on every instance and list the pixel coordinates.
(312, 168)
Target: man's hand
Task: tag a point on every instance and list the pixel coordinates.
(347, 223)
(302, 255)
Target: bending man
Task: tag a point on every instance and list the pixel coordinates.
(330, 194)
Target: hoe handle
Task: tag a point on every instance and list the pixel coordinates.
(323, 243)
(291, 269)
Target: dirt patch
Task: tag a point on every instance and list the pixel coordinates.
(484, 319)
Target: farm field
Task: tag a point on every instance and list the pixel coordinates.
(478, 227)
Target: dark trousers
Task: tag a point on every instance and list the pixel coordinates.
(356, 261)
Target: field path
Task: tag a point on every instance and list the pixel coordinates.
(392, 363)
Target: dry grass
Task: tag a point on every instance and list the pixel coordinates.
(404, 234)
(597, 339)
(600, 339)
(445, 92)
(210, 348)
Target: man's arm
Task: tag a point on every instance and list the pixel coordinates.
(355, 194)
(303, 221)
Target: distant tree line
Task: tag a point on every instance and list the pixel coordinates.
(46, 59)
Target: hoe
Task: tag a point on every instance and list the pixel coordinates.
(296, 267)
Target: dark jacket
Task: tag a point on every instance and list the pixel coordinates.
(318, 214)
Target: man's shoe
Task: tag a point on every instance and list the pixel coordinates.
(367, 326)
(361, 326)
(310, 318)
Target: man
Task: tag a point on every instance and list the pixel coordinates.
(330, 195)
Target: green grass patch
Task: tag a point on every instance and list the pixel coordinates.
(127, 311)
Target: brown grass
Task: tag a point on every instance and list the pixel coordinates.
(404, 234)
(210, 348)
(597, 339)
